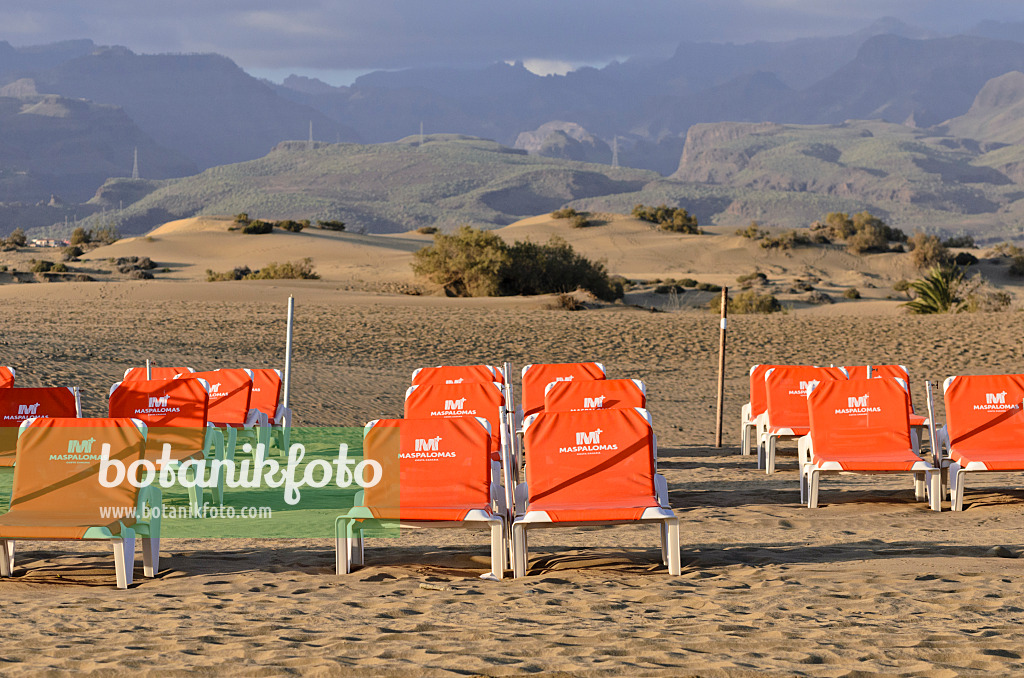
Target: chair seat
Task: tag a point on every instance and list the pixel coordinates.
(873, 460)
(994, 460)
(17, 524)
(595, 511)
(789, 430)
(438, 513)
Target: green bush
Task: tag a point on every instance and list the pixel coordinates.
(753, 231)
(290, 226)
(962, 241)
(80, 236)
(564, 213)
(747, 302)
(863, 232)
(290, 270)
(17, 238)
(257, 227)
(475, 263)
(709, 287)
(675, 219)
(755, 278)
(928, 251)
(329, 225)
(851, 293)
(427, 230)
(579, 221)
(72, 252)
(687, 282)
(42, 266)
(785, 241)
(59, 267)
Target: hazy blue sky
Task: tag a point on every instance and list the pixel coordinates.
(337, 38)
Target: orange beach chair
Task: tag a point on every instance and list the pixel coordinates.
(537, 377)
(139, 373)
(230, 410)
(266, 398)
(861, 426)
(984, 428)
(6, 377)
(175, 413)
(754, 408)
(458, 374)
(785, 418)
(592, 467)
(20, 404)
(443, 479)
(57, 493)
(601, 394)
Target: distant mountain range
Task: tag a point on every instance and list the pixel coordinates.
(72, 113)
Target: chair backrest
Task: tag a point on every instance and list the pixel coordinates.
(139, 373)
(266, 390)
(174, 411)
(537, 377)
(19, 404)
(59, 464)
(6, 377)
(443, 467)
(898, 372)
(859, 416)
(590, 459)
(984, 411)
(458, 400)
(230, 392)
(758, 395)
(606, 394)
(457, 374)
(786, 389)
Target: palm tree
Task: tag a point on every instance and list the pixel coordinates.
(941, 291)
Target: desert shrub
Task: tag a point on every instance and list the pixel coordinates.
(471, 262)
(105, 235)
(242, 218)
(747, 302)
(965, 259)
(1017, 265)
(962, 241)
(565, 213)
(785, 241)
(863, 220)
(41, 266)
(863, 232)
(675, 219)
(817, 297)
(139, 274)
(687, 282)
(851, 293)
(329, 225)
(902, 285)
(59, 267)
(80, 236)
(708, 287)
(72, 252)
(668, 289)
(239, 273)
(289, 270)
(427, 230)
(753, 231)
(567, 302)
(579, 221)
(257, 227)
(3, 268)
(17, 238)
(986, 299)
(290, 226)
(618, 280)
(927, 251)
(755, 278)
(870, 238)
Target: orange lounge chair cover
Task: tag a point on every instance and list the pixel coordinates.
(900, 372)
(591, 466)
(786, 389)
(984, 420)
(175, 411)
(6, 377)
(537, 377)
(468, 399)
(861, 424)
(139, 373)
(607, 394)
(758, 395)
(57, 493)
(443, 468)
(266, 391)
(457, 374)
(19, 404)
(230, 392)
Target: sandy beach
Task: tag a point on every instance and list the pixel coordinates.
(872, 582)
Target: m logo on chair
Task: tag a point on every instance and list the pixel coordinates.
(160, 401)
(455, 404)
(996, 401)
(428, 444)
(854, 401)
(857, 405)
(593, 403)
(589, 442)
(589, 438)
(28, 410)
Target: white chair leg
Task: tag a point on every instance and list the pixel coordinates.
(956, 481)
(745, 440)
(498, 549)
(342, 548)
(664, 543)
(518, 550)
(812, 489)
(935, 490)
(760, 453)
(671, 531)
(124, 561)
(919, 486)
(150, 556)
(769, 459)
(6, 557)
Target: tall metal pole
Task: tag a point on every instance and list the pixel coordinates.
(721, 366)
(288, 352)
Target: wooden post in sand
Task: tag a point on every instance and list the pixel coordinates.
(721, 366)
(288, 352)
(149, 370)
